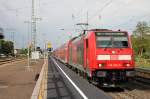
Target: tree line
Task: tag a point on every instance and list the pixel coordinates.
(141, 40)
(6, 47)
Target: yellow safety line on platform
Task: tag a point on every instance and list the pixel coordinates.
(42, 85)
(39, 90)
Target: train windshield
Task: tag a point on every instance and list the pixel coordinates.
(117, 40)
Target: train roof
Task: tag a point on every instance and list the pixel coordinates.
(94, 30)
(99, 30)
(105, 30)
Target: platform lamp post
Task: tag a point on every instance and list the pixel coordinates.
(28, 44)
(45, 46)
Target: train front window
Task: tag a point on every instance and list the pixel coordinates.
(107, 40)
(120, 42)
(103, 42)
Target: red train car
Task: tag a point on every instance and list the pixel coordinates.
(101, 55)
(62, 53)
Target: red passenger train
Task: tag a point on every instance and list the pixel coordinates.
(101, 55)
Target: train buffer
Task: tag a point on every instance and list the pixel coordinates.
(56, 81)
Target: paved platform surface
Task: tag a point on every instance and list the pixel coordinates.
(16, 82)
(60, 87)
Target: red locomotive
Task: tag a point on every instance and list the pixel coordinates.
(100, 55)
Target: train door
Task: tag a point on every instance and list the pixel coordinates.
(86, 53)
(87, 49)
(86, 58)
(70, 54)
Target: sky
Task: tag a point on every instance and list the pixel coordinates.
(59, 18)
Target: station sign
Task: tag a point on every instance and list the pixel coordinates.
(49, 46)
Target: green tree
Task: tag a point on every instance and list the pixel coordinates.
(142, 30)
(141, 39)
(7, 47)
(1, 42)
(24, 51)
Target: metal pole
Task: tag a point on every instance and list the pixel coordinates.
(87, 20)
(28, 56)
(34, 19)
(28, 46)
(87, 15)
(45, 51)
(13, 40)
(33, 30)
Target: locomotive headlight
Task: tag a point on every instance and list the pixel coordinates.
(100, 65)
(124, 57)
(103, 57)
(127, 64)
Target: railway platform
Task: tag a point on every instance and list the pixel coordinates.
(16, 80)
(56, 81)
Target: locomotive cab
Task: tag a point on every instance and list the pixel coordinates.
(114, 62)
(102, 56)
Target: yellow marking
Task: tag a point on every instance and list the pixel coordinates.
(49, 45)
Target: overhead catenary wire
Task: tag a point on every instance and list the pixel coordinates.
(77, 15)
(99, 11)
(132, 19)
(74, 16)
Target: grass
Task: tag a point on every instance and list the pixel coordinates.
(141, 62)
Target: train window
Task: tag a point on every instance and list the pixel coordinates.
(120, 42)
(116, 40)
(110, 34)
(80, 54)
(103, 42)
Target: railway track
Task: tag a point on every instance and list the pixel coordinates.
(127, 94)
(9, 60)
(144, 72)
(123, 95)
(143, 75)
(139, 88)
(135, 90)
